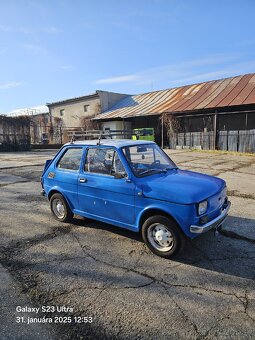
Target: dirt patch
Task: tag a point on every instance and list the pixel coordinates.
(239, 194)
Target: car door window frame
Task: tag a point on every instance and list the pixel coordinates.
(99, 173)
(62, 155)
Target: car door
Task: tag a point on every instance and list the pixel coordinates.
(103, 188)
(66, 173)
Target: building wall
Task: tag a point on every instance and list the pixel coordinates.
(40, 128)
(239, 121)
(108, 99)
(117, 125)
(74, 112)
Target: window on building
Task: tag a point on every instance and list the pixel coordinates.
(62, 112)
(71, 159)
(86, 108)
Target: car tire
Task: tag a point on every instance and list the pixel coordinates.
(60, 208)
(162, 236)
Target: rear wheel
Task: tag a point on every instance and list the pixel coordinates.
(60, 208)
(162, 236)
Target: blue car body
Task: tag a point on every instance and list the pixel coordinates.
(125, 202)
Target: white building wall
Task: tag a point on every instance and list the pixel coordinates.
(74, 111)
(116, 125)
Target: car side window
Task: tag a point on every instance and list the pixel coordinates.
(118, 167)
(71, 159)
(103, 161)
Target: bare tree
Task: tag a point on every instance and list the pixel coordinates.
(170, 124)
(87, 122)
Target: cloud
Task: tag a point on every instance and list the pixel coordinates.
(20, 29)
(52, 30)
(184, 72)
(245, 43)
(10, 85)
(35, 48)
(202, 77)
(5, 28)
(66, 67)
(120, 79)
(30, 30)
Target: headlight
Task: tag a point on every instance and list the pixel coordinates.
(202, 207)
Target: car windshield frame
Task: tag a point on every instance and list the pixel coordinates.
(149, 171)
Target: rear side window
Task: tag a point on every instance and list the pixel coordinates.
(71, 159)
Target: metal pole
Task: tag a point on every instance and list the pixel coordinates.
(162, 131)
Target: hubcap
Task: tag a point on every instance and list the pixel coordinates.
(58, 208)
(160, 237)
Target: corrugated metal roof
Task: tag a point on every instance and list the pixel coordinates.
(207, 95)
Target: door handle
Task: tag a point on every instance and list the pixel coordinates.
(83, 180)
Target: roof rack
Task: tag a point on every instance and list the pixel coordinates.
(102, 134)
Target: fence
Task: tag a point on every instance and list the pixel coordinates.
(14, 142)
(14, 134)
(239, 140)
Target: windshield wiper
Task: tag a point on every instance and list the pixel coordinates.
(173, 168)
(156, 170)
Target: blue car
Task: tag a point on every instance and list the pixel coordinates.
(134, 185)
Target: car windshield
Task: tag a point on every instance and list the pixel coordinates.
(147, 159)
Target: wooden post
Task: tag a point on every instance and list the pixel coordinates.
(215, 131)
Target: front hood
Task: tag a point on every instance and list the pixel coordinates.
(181, 186)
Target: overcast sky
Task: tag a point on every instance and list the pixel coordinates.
(57, 49)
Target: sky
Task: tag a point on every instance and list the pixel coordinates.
(57, 49)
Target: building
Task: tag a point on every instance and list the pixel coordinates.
(215, 114)
(40, 127)
(77, 113)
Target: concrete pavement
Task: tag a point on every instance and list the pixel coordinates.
(107, 273)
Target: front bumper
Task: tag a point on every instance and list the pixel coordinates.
(199, 229)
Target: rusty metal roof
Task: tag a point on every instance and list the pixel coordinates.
(207, 95)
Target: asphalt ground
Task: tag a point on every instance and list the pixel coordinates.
(88, 269)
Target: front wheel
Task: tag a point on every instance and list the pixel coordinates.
(60, 208)
(162, 236)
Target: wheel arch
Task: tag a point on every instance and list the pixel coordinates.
(57, 191)
(153, 212)
(54, 191)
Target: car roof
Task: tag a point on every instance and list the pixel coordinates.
(118, 143)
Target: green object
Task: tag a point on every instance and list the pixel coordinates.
(144, 134)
